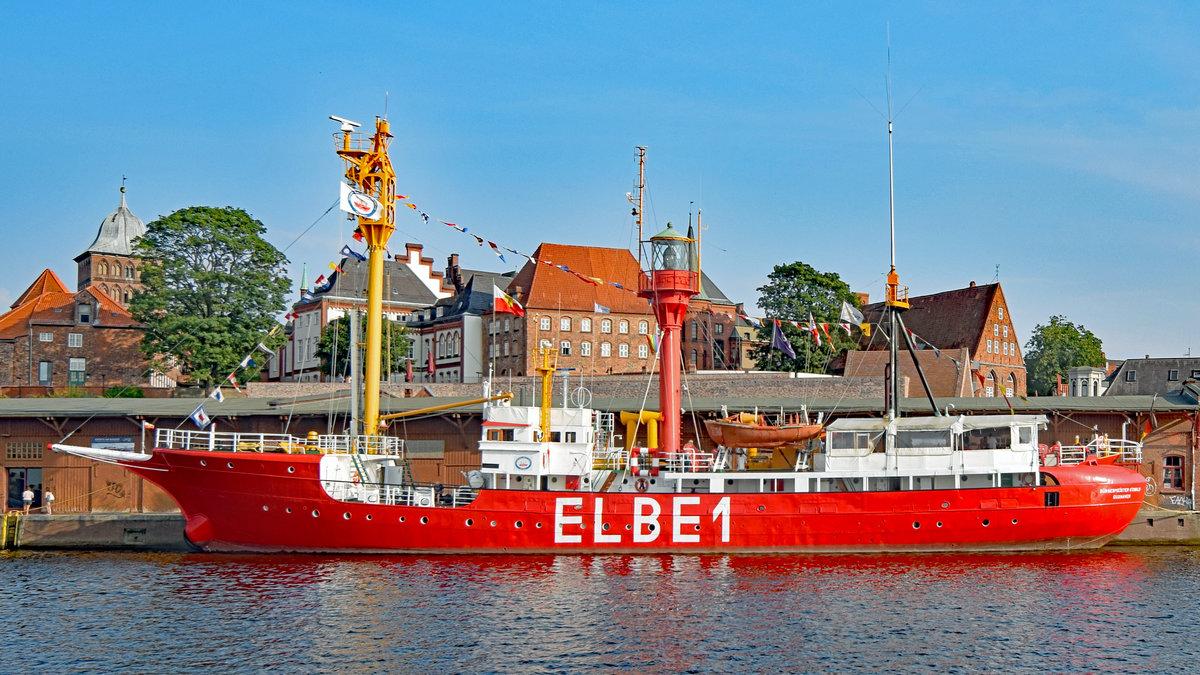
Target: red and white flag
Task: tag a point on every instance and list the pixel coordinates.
(505, 303)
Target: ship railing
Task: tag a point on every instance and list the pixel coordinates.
(1126, 451)
(409, 494)
(690, 460)
(227, 441)
(370, 445)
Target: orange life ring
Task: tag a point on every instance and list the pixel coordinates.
(355, 478)
(641, 485)
(1027, 479)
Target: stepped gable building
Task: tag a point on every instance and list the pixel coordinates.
(710, 339)
(971, 327)
(593, 328)
(448, 338)
(109, 263)
(55, 338)
(410, 283)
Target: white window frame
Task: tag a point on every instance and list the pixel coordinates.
(564, 323)
(605, 350)
(585, 325)
(643, 351)
(544, 323)
(564, 348)
(643, 328)
(74, 339)
(623, 350)
(623, 327)
(45, 336)
(606, 326)
(585, 349)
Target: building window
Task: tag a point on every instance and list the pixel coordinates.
(44, 373)
(606, 326)
(996, 329)
(74, 339)
(623, 327)
(1172, 375)
(585, 349)
(83, 313)
(23, 450)
(585, 325)
(1131, 376)
(76, 371)
(695, 330)
(1000, 310)
(643, 328)
(506, 349)
(1172, 472)
(544, 323)
(719, 329)
(564, 323)
(1005, 344)
(129, 271)
(507, 325)
(605, 350)
(990, 384)
(643, 351)
(692, 358)
(45, 336)
(564, 348)
(1005, 331)
(989, 346)
(623, 350)
(103, 269)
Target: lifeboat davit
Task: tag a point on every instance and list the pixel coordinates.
(745, 430)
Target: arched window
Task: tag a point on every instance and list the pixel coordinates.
(623, 327)
(1011, 383)
(103, 270)
(643, 327)
(990, 384)
(606, 326)
(129, 271)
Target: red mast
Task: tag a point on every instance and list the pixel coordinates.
(674, 277)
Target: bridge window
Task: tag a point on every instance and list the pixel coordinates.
(1173, 472)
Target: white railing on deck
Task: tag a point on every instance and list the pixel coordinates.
(232, 441)
(1129, 452)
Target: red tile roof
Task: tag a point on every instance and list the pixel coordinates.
(47, 302)
(949, 320)
(544, 286)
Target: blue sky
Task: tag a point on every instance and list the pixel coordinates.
(1055, 140)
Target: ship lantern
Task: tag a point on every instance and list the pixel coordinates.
(670, 250)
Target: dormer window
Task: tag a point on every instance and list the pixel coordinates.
(83, 313)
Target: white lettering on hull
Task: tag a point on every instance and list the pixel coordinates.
(647, 527)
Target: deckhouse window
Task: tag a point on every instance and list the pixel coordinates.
(923, 439)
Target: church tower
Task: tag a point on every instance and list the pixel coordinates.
(108, 263)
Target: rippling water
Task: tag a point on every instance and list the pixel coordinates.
(1108, 610)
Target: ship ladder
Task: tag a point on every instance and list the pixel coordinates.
(8, 533)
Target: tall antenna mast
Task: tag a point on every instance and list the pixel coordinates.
(891, 156)
(638, 201)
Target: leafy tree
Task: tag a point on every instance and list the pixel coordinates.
(213, 286)
(336, 336)
(1054, 348)
(792, 293)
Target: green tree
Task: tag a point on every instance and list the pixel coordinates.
(336, 336)
(213, 287)
(792, 293)
(1055, 347)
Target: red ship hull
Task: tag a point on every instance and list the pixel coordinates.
(275, 502)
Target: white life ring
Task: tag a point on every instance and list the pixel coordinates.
(641, 485)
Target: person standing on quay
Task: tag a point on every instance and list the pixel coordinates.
(48, 501)
(27, 498)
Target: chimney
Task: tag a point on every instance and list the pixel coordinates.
(972, 284)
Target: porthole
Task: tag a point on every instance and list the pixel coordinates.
(229, 464)
(586, 480)
(291, 469)
(493, 523)
(369, 517)
(346, 516)
(916, 525)
(628, 527)
(696, 528)
(519, 524)
(470, 522)
(986, 522)
(651, 527)
(538, 525)
(402, 519)
(203, 463)
(316, 513)
(945, 505)
(1014, 521)
(624, 481)
(424, 520)
(761, 507)
(266, 508)
(288, 510)
(939, 523)
(604, 527)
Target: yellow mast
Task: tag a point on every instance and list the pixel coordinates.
(370, 171)
(547, 372)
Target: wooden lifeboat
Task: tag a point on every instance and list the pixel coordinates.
(745, 430)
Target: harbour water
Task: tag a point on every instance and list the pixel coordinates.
(1112, 610)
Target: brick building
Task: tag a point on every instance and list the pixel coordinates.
(971, 327)
(410, 283)
(710, 341)
(54, 339)
(449, 344)
(594, 329)
(109, 264)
